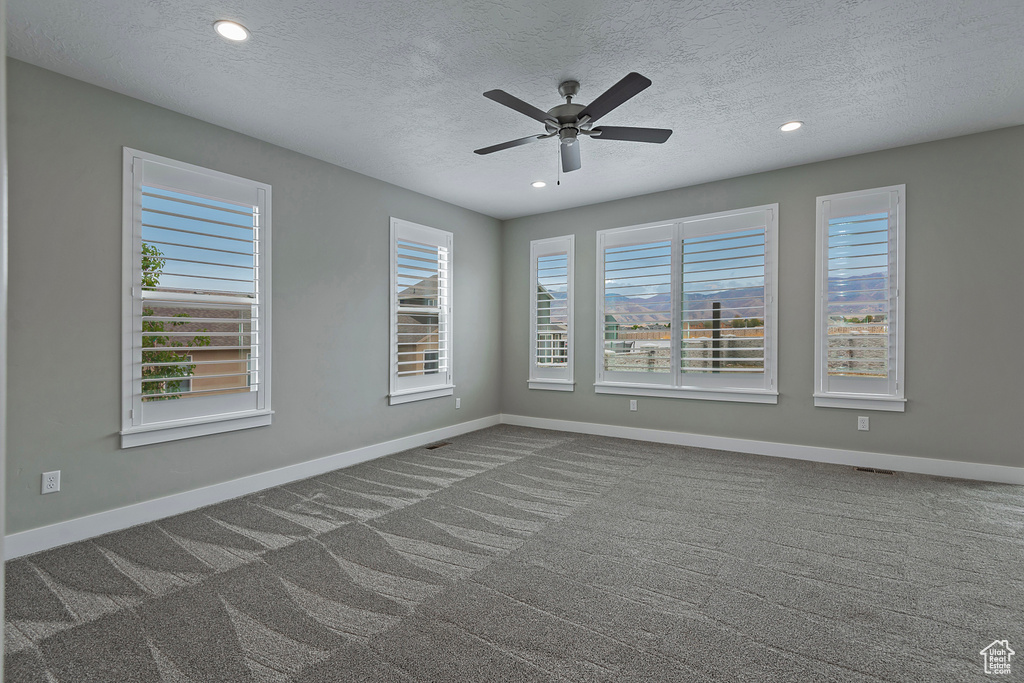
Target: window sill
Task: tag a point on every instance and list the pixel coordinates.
(552, 384)
(410, 395)
(699, 393)
(860, 402)
(144, 435)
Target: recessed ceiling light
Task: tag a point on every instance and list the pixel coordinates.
(539, 183)
(231, 30)
(791, 126)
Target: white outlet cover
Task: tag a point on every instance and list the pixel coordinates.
(863, 423)
(632, 404)
(51, 482)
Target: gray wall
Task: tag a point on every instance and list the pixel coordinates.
(3, 310)
(965, 241)
(330, 304)
(965, 287)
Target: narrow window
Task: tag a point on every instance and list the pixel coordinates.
(551, 313)
(196, 312)
(859, 346)
(421, 312)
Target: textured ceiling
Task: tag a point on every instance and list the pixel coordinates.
(392, 88)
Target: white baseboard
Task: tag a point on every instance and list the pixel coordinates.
(903, 463)
(90, 526)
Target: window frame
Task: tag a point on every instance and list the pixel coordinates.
(677, 384)
(190, 359)
(216, 414)
(399, 390)
(864, 393)
(553, 379)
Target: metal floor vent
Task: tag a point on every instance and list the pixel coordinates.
(438, 445)
(873, 470)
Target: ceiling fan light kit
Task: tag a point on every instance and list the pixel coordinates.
(569, 121)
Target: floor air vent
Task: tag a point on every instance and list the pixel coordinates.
(873, 470)
(438, 445)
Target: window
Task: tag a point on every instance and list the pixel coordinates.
(186, 384)
(421, 312)
(687, 308)
(859, 347)
(430, 364)
(551, 313)
(196, 309)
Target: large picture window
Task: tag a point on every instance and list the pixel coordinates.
(687, 308)
(421, 312)
(859, 318)
(551, 313)
(196, 312)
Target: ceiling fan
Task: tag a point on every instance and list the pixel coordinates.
(569, 121)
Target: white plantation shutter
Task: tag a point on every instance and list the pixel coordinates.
(723, 303)
(688, 308)
(421, 312)
(551, 313)
(196, 311)
(859, 346)
(727, 336)
(635, 304)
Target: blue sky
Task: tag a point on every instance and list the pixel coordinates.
(709, 264)
(413, 255)
(224, 247)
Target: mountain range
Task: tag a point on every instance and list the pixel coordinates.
(740, 303)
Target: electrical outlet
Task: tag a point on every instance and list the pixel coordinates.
(862, 424)
(51, 481)
(632, 404)
(458, 403)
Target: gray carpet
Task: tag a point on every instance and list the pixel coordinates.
(515, 554)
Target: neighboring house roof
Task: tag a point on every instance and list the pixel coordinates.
(424, 289)
(217, 337)
(412, 324)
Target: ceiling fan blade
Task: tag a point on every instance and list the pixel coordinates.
(511, 143)
(571, 157)
(512, 102)
(629, 86)
(630, 134)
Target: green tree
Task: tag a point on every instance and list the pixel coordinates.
(156, 347)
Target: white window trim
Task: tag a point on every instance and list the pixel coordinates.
(133, 432)
(446, 385)
(555, 381)
(737, 395)
(674, 388)
(894, 399)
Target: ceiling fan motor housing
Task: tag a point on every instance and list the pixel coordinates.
(568, 126)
